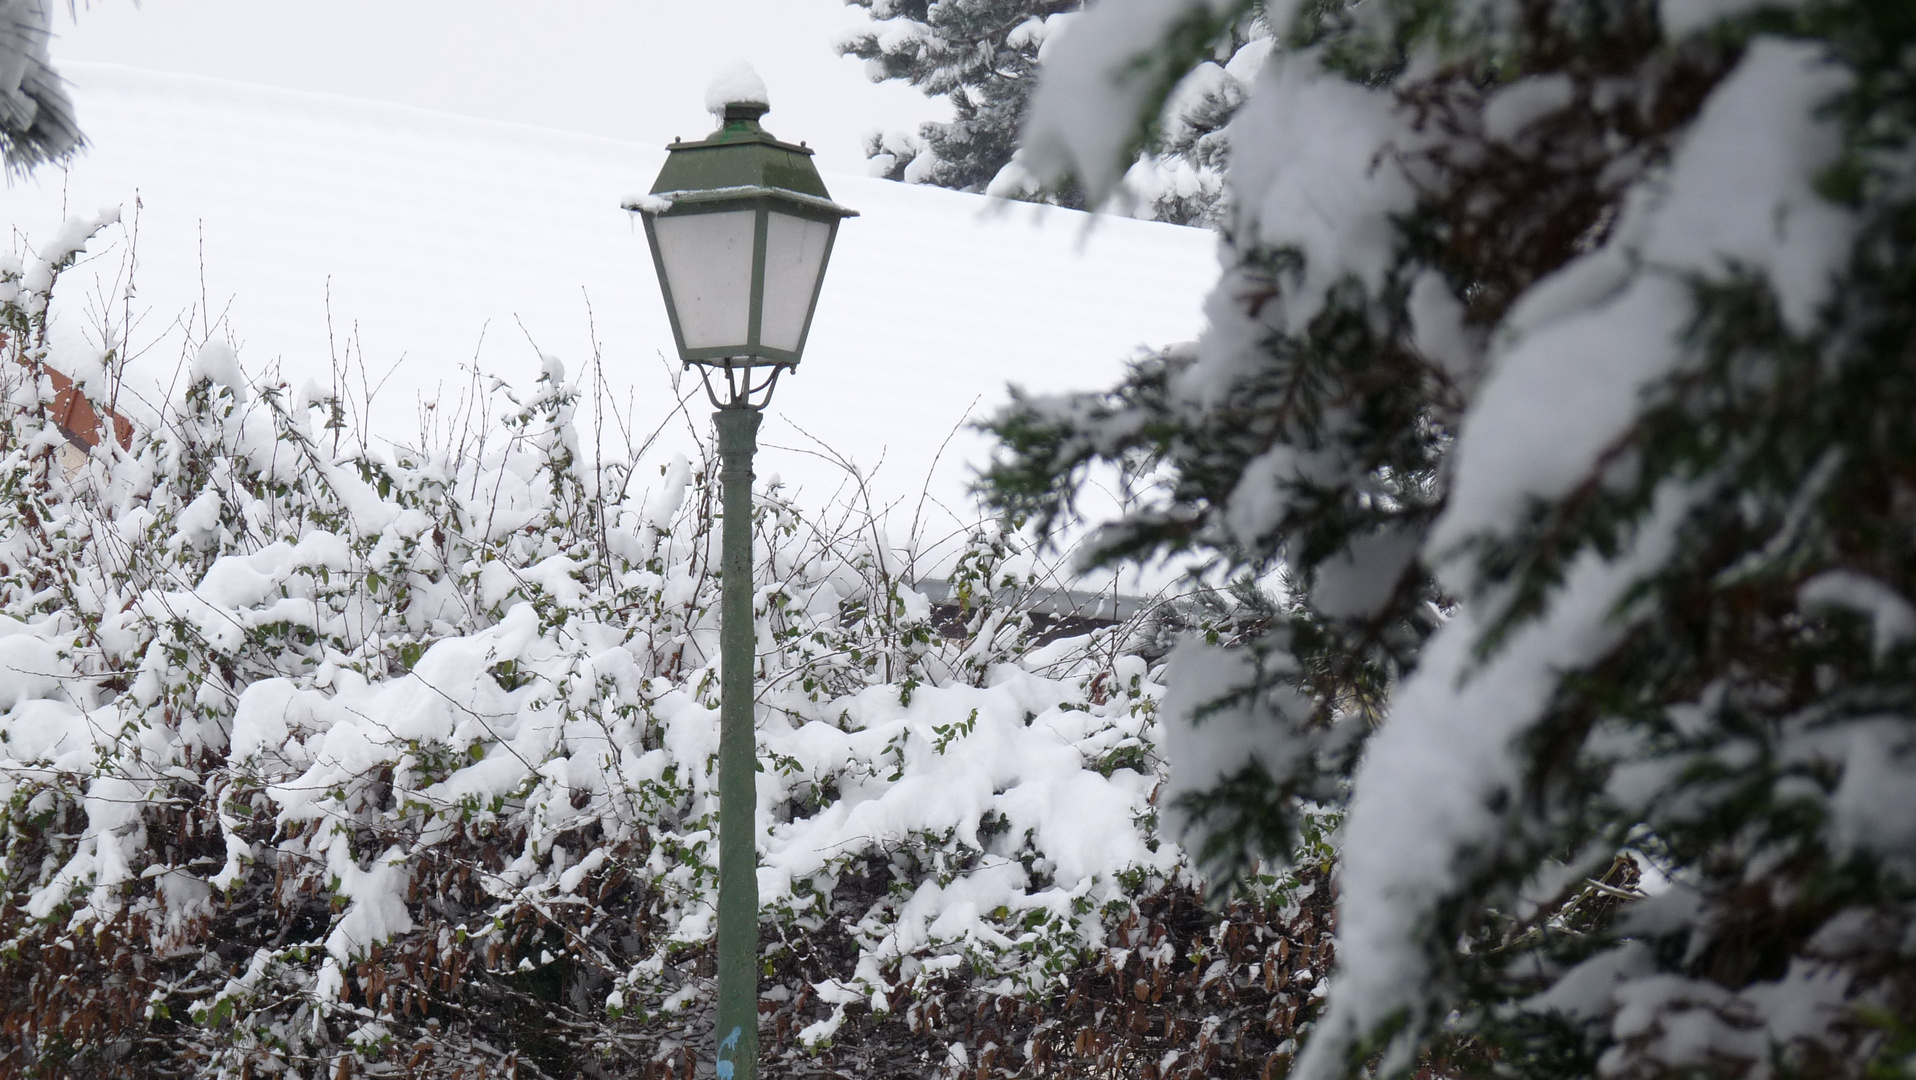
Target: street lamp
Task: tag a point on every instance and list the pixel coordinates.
(740, 227)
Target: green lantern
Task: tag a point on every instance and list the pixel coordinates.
(740, 227)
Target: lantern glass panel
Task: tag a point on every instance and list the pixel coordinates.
(708, 266)
(794, 258)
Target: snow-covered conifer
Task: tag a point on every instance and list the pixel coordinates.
(983, 55)
(36, 116)
(1556, 380)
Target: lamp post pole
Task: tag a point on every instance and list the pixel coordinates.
(737, 1029)
(740, 226)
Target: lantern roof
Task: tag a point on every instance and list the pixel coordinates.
(742, 160)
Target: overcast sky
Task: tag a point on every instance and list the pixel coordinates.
(629, 69)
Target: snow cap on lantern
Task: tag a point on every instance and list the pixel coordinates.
(737, 85)
(740, 227)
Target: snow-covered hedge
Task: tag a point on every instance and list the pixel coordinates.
(316, 758)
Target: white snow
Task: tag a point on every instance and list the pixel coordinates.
(1205, 740)
(1099, 71)
(1742, 187)
(1892, 617)
(1438, 330)
(32, 98)
(1680, 17)
(1359, 581)
(23, 43)
(1587, 991)
(1406, 841)
(1515, 107)
(1312, 170)
(218, 362)
(736, 85)
(1578, 350)
(30, 667)
(1247, 62)
(398, 247)
(1874, 806)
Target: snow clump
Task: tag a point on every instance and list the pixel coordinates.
(736, 85)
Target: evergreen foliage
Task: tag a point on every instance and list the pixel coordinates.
(36, 115)
(983, 55)
(1555, 387)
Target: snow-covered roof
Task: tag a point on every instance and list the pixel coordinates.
(433, 240)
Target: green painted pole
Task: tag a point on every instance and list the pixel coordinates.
(737, 1030)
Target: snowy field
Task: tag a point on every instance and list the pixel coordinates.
(403, 246)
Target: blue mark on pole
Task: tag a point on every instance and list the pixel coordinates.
(726, 1046)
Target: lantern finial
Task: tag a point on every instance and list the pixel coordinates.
(740, 227)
